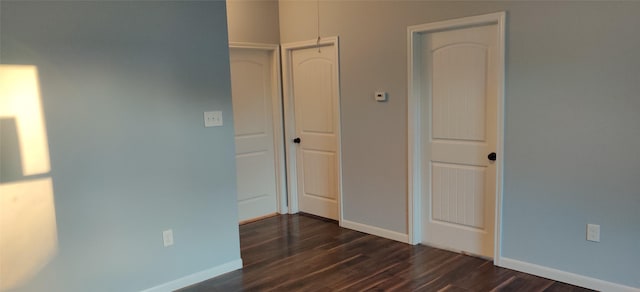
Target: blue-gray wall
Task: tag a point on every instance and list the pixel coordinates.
(124, 87)
(572, 122)
(572, 138)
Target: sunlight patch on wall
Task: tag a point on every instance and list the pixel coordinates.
(28, 232)
(20, 99)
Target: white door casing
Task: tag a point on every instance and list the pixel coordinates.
(456, 83)
(312, 113)
(257, 110)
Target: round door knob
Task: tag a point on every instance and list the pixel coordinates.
(492, 156)
(296, 140)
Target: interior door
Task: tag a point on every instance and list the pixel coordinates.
(461, 119)
(315, 97)
(252, 95)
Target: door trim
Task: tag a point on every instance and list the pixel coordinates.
(278, 135)
(415, 183)
(289, 118)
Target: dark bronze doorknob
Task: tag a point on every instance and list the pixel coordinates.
(492, 156)
(296, 140)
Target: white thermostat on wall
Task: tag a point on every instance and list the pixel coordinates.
(381, 96)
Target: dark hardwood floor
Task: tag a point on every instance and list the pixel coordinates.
(305, 253)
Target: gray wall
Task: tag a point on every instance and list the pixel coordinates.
(124, 87)
(572, 122)
(253, 21)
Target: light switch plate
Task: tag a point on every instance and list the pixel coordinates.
(212, 119)
(380, 96)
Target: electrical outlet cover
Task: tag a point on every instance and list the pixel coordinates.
(212, 119)
(593, 232)
(167, 237)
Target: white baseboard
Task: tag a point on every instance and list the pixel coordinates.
(197, 277)
(562, 276)
(397, 236)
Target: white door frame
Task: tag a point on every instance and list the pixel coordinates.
(289, 118)
(415, 183)
(276, 103)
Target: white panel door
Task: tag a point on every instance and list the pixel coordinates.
(460, 117)
(252, 92)
(315, 98)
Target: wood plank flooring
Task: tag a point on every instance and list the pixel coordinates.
(305, 253)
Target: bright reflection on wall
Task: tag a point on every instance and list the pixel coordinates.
(20, 99)
(28, 236)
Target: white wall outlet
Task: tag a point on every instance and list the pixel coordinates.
(380, 96)
(167, 237)
(593, 232)
(212, 119)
